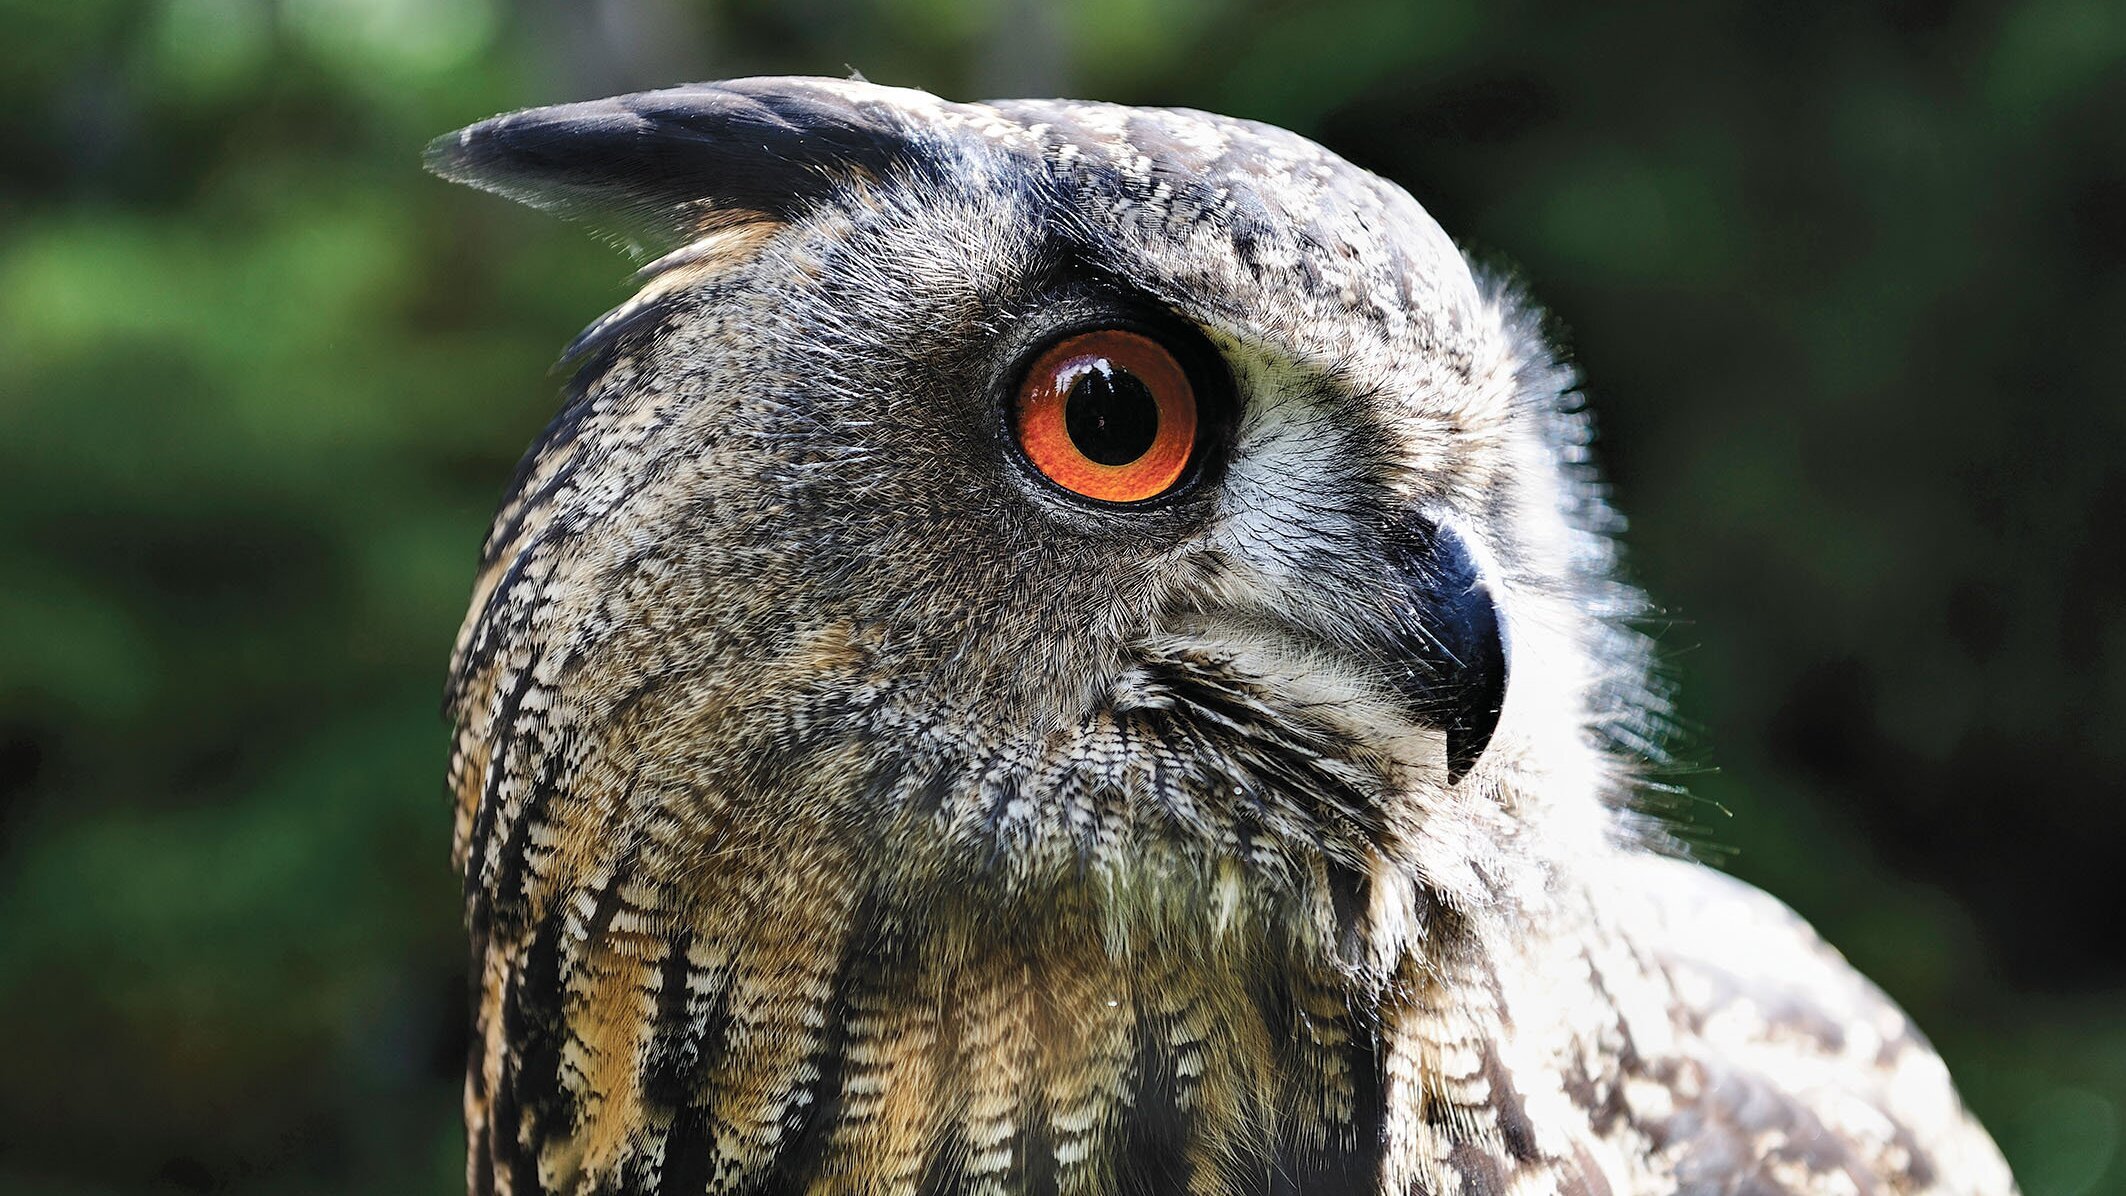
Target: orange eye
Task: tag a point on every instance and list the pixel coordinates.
(1109, 415)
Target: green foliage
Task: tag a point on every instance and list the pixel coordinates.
(1846, 279)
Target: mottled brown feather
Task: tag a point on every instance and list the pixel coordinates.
(844, 811)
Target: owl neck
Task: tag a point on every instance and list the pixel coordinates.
(847, 974)
(814, 1015)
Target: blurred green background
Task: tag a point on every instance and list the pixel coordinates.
(1848, 281)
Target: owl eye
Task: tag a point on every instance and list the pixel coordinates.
(1108, 414)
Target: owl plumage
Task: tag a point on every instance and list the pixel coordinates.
(846, 807)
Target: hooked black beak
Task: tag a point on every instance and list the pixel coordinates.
(1446, 643)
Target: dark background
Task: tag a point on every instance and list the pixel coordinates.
(1846, 280)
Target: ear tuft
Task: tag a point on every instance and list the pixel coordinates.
(663, 167)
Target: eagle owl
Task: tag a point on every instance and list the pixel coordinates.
(1057, 649)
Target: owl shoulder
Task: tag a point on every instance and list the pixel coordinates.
(1784, 1069)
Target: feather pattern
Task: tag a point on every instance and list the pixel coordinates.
(844, 811)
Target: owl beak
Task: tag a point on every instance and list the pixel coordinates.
(1446, 636)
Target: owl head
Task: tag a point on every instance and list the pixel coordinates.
(1027, 497)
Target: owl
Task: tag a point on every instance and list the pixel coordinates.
(1059, 649)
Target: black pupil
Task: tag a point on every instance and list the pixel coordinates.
(1110, 415)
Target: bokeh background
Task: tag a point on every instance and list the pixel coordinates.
(1848, 282)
